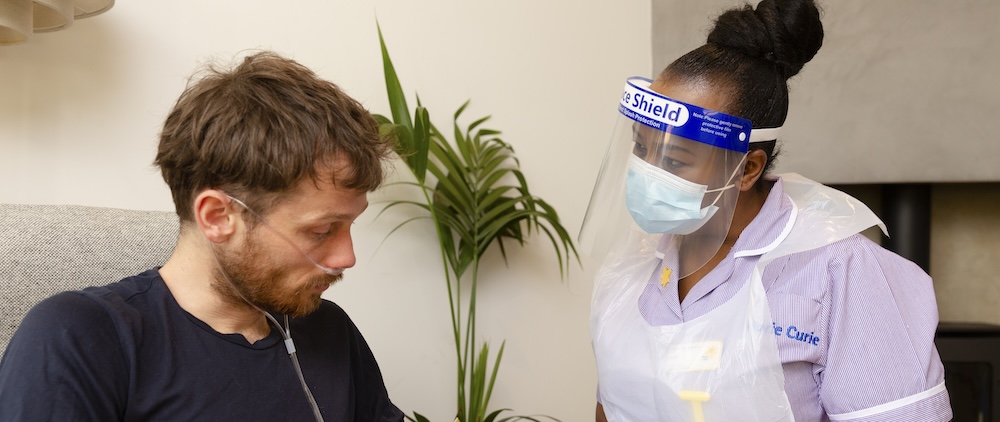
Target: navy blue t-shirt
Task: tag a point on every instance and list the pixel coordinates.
(128, 352)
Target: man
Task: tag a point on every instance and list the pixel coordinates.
(268, 166)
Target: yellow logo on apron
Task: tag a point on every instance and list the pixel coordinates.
(690, 357)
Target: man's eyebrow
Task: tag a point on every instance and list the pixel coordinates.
(336, 215)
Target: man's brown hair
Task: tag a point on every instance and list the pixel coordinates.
(255, 131)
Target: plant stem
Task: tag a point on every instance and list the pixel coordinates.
(454, 301)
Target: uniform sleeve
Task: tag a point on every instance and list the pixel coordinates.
(64, 363)
(881, 363)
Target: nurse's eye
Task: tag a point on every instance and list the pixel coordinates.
(668, 163)
(640, 150)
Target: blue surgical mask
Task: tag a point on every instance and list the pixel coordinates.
(662, 202)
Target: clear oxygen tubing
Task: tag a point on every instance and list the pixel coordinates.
(286, 332)
(323, 268)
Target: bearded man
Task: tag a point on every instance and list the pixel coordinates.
(268, 166)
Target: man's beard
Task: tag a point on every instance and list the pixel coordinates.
(250, 276)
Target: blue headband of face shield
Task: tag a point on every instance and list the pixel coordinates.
(688, 121)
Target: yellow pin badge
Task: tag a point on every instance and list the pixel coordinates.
(665, 277)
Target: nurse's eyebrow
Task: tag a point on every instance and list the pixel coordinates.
(675, 147)
(636, 132)
(639, 135)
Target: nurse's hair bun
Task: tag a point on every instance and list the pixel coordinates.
(787, 33)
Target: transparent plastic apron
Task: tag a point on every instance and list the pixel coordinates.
(723, 365)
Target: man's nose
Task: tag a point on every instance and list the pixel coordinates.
(341, 251)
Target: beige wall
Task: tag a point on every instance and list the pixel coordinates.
(895, 81)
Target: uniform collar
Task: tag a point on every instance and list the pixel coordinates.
(769, 224)
(757, 238)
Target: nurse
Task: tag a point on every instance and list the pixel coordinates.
(727, 293)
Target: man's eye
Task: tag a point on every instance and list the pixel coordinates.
(321, 232)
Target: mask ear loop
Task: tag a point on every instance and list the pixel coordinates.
(756, 135)
(729, 185)
(286, 332)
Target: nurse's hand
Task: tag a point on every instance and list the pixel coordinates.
(599, 417)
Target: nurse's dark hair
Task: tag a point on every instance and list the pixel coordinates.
(750, 55)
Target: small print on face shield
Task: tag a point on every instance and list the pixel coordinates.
(670, 170)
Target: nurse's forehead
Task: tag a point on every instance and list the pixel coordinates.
(645, 132)
(698, 91)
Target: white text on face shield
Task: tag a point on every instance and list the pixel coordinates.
(656, 107)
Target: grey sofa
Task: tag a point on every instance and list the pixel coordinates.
(46, 249)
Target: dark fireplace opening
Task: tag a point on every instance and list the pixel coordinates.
(971, 357)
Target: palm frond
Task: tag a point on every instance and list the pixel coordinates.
(476, 196)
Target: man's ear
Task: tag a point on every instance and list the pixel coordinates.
(215, 215)
(753, 169)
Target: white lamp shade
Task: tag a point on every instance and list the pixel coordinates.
(15, 21)
(19, 18)
(87, 8)
(52, 15)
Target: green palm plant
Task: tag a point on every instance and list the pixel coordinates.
(476, 196)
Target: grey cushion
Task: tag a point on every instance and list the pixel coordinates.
(45, 249)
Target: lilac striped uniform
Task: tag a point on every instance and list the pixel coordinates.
(854, 323)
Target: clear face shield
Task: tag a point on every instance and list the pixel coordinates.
(668, 181)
